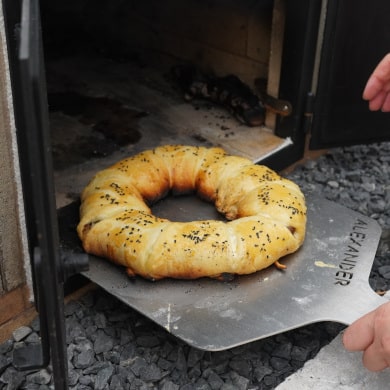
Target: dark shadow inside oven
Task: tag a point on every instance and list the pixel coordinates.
(115, 74)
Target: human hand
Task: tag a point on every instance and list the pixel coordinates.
(371, 334)
(377, 90)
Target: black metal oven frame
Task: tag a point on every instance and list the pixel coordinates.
(50, 266)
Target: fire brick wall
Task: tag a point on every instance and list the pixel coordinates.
(224, 36)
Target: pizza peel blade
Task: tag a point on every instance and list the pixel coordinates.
(325, 280)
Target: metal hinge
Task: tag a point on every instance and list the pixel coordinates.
(308, 112)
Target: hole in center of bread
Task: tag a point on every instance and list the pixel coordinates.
(186, 208)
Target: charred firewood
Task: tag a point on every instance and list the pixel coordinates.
(277, 106)
(228, 91)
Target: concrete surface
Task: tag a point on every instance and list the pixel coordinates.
(336, 368)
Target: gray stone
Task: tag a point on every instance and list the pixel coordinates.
(195, 372)
(103, 342)
(278, 363)
(150, 373)
(112, 356)
(12, 378)
(103, 377)
(125, 336)
(21, 333)
(333, 184)
(242, 367)
(5, 361)
(148, 341)
(100, 320)
(116, 382)
(41, 377)
(201, 384)
(194, 356)
(137, 364)
(119, 317)
(165, 364)
(84, 359)
(240, 382)
(228, 386)
(128, 352)
(32, 338)
(283, 350)
(74, 330)
(169, 385)
(261, 371)
(384, 271)
(214, 381)
(71, 308)
(73, 377)
(299, 353)
(96, 367)
(181, 362)
(6, 347)
(85, 380)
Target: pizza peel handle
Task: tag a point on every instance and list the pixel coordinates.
(352, 303)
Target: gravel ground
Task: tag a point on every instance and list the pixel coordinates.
(110, 346)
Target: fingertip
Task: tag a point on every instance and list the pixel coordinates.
(386, 104)
(367, 92)
(372, 88)
(359, 335)
(377, 101)
(382, 69)
(347, 341)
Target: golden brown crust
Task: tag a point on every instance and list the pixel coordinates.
(267, 212)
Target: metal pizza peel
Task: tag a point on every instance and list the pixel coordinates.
(325, 280)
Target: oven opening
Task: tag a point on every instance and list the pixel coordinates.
(127, 76)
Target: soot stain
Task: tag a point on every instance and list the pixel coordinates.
(112, 125)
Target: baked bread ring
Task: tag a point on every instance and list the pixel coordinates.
(267, 214)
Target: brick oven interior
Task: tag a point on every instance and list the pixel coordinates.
(111, 89)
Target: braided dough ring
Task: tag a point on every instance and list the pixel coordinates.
(267, 214)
